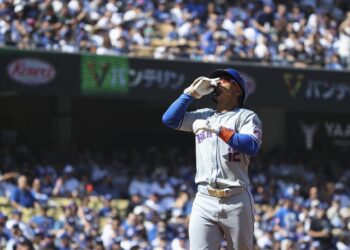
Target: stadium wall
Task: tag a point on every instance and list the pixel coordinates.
(89, 99)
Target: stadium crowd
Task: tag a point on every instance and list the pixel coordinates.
(302, 33)
(48, 203)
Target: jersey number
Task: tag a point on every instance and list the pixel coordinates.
(233, 156)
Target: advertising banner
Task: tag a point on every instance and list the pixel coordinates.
(315, 131)
(104, 75)
(306, 89)
(267, 86)
(39, 73)
(157, 80)
(165, 80)
(162, 81)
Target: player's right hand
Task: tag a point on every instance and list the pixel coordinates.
(201, 86)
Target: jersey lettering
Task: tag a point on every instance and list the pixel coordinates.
(202, 135)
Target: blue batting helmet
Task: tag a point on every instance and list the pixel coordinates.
(235, 75)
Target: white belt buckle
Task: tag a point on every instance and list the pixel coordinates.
(227, 192)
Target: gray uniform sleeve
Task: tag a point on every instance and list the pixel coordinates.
(190, 117)
(251, 124)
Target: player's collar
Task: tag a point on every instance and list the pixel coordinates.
(227, 112)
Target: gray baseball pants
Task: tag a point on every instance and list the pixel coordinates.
(213, 219)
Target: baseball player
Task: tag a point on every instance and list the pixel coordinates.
(226, 138)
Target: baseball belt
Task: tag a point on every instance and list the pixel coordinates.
(220, 192)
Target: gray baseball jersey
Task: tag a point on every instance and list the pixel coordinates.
(219, 166)
(217, 163)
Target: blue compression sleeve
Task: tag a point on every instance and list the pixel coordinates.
(173, 116)
(244, 143)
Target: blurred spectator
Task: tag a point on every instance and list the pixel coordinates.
(24, 244)
(343, 242)
(130, 225)
(42, 221)
(16, 218)
(111, 230)
(47, 183)
(107, 186)
(22, 196)
(260, 194)
(313, 197)
(333, 214)
(342, 194)
(64, 242)
(4, 233)
(180, 242)
(15, 235)
(98, 244)
(38, 238)
(163, 189)
(6, 188)
(344, 39)
(154, 203)
(106, 209)
(71, 228)
(116, 243)
(320, 230)
(183, 203)
(286, 220)
(67, 184)
(37, 193)
(49, 241)
(139, 185)
(134, 201)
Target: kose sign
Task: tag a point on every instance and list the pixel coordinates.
(30, 71)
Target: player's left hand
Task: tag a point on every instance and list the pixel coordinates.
(206, 125)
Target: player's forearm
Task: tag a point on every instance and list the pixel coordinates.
(242, 143)
(174, 114)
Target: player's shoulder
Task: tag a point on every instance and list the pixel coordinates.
(245, 112)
